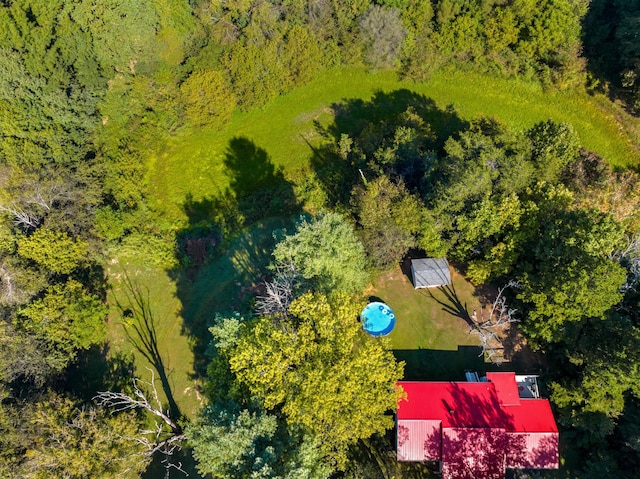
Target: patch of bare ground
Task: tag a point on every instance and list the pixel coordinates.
(518, 353)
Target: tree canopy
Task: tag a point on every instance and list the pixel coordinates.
(319, 370)
(229, 441)
(326, 252)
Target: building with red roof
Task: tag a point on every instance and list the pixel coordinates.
(477, 429)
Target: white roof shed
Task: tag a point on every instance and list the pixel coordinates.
(430, 272)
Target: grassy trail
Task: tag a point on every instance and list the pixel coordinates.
(194, 161)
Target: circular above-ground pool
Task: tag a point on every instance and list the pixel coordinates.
(378, 319)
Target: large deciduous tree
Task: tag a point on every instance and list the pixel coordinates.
(54, 250)
(554, 146)
(567, 274)
(230, 441)
(207, 99)
(322, 372)
(58, 438)
(89, 443)
(25, 356)
(67, 318)
(382, 36)
(393, 221)
(326, 252)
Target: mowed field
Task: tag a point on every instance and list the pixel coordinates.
(429, 336)
(193, 163)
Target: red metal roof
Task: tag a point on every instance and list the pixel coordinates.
(532, 415)
(484, 425)
(456, 404)
(473, 453)
(419, 440)
(506, 388)
(532, 450)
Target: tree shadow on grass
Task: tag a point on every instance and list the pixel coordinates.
(250, 168)
(226, 283)
(373, 123)
(352, 116)
(258, 187)
(440, 365)
(183, 457)
(450, 365)
(452, 304)
(602, 36)
(218, 265)
(519, 356)
(257, 190)
(97, 369)
(225, 248)
(140, 328)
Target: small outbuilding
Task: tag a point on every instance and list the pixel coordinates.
(430, 272)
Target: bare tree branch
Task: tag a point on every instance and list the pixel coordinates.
(489, 330)
(22, 218)
(152, 441)
(6, 278)
(629, 257)
(122, 402)
(280, 292)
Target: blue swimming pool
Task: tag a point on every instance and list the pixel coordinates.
(378, 319)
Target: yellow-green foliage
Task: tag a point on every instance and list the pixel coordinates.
(7, 239)
(207, 99)
(81, 443)
(67, 317)
(55, 250)
(303, 55)
(323, 371)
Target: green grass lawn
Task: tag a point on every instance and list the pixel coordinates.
(193, 162)
(521, 104)
(226, 285)
(183, 304)
(173, 343)
(432, 328)
(431, 335)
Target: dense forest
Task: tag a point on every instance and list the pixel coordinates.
(89, 88)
